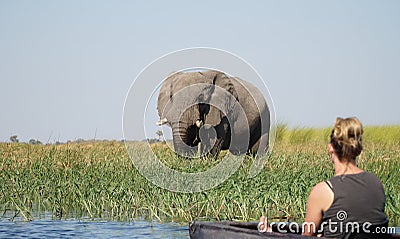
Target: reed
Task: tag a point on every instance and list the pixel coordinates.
(97, 180)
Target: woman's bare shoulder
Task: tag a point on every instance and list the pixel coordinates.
(321, 195)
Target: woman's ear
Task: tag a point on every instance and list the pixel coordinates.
(331, 151)
(330, 148)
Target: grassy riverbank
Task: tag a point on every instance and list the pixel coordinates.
(98, 180)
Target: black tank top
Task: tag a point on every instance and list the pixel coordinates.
(359, 199)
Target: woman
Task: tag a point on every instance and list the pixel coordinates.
(352, 202)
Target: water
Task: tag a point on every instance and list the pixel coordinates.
(73, 228)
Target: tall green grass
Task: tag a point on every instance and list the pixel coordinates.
(98, 180)
(372, 134)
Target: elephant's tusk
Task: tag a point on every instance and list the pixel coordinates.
(199, 123)
(162, 121)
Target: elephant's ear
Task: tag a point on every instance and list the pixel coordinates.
(225, 83)
(231, 89)
(165, 95)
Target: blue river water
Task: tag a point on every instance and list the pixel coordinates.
(83, 228)
(74, 228)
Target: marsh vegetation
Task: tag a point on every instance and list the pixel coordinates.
(98, 180)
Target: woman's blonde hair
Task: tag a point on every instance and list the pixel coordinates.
(346, 137)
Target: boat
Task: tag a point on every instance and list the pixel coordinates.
(244, 230)
(233, 230)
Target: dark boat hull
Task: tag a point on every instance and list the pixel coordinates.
(232, 230)
(248, 230)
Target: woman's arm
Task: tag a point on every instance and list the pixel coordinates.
(263, 225)
(320, 199)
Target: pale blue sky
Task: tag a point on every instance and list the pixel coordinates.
(66, 66)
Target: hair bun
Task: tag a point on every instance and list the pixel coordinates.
(346, 137)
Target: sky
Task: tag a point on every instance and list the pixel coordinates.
(66, 66)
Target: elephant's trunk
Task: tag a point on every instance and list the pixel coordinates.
(184, 138)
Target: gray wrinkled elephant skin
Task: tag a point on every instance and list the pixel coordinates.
(219, 111)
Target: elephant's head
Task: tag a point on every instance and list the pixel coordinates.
(184, 104)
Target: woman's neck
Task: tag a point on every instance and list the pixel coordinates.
(345, 166)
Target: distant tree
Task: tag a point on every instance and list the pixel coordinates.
(80, 140)
(34, 141)
(152, 141)
(160, 134)
(14, 139)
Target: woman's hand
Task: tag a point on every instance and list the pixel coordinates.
(263, 225)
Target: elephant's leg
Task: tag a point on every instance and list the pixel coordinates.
(217, 147)
(254, 141)
(253, 150)
(208, 137)
(213, 139)
(260, 145)
(205, 147)
(223, 137)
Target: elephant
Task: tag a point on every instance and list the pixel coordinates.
(219, 111)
